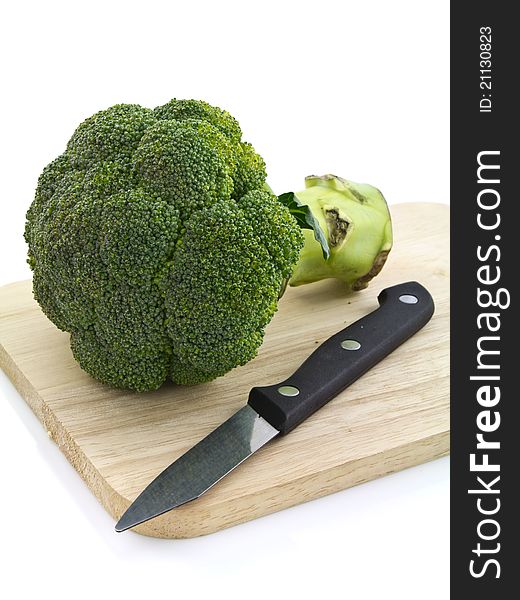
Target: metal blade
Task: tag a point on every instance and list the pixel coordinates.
(201, 467)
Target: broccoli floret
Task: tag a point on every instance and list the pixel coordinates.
(154, 244)
(111, 134)
(243, 252)
(250, 171)
(246, 167)
(198, 110)
(179, 162)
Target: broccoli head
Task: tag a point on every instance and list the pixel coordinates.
(154, 242)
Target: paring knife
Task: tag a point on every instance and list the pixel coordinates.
(277, 409)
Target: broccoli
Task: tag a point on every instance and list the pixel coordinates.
(155, 241)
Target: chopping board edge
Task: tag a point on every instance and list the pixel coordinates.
(190, 522)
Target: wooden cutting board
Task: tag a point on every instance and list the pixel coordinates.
(395, 416)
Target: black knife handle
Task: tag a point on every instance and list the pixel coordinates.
(339, 361)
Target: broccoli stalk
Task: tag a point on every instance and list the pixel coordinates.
(350, 232)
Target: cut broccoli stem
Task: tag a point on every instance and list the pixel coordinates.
(337, 226)
(348, 235)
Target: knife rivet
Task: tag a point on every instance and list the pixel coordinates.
(288, 390)
(408, 299)
(350, 345)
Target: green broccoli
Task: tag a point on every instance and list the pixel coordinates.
(154, 246)
(155, 242)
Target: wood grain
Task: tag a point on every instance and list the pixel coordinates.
(394, 417)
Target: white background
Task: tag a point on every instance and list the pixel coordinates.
(359, 89)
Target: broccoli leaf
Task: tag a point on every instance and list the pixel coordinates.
(305, 219)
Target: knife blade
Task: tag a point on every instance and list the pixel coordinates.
(277, 409)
